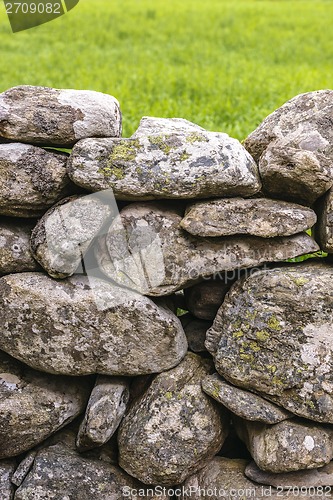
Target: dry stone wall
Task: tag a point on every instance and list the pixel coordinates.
(160, 335)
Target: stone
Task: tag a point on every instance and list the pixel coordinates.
(204, 299)
(7, 468)
(63, 235)
(166, 159)
(32, 179)
(195, 331)
(301, 479)
(290, 445)
(293, 146)
(243, 403)
(33, 405)
(324, 226)
(23, 468)
(15, 254)
(273, 335)
(80, 326)
(148, 251)
(174, 428)
(256, 216)
(57, 117)
(105, 410)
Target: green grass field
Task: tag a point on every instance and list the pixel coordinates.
(220, 63)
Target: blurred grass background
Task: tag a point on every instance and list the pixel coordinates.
(222, 64)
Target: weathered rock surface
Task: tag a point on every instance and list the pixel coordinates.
(243, 403)
(7, 468)
(54, 117)
(195, 331)
(258, 217)
(150, 253)
(298, 479)
(63, 235)
(204, 299)
(32, 179)
(179, 161)
(172, 430)
(290, 445)
(79, 326)
(324, 226)
(106, 408)
(15, 254)
(294, 148)
(273, 335)
(33, 405)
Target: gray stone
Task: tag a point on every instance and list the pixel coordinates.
(63, 235)
(105, 410)
(7, 468)
(324, 226)
(166, 159)
(195, 331)
(204, 299)
(80, 326)
(150, 253)
(32, 179)
(174, 428)
(15, 254)
(57, 117)
(290, 445)
(33, 405)
(243, 403)
(294, 149)
(23, 468)
(273, 335)
(301, 479)
(258, 217)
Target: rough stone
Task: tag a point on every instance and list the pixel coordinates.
(204, 299)
(290, 445)
(105, 410)
(174, 428)
(32, 179)
(258, 217)
(15, 254)
(7, 468)
(324, 226)
(63, 235)
(301, 479)
(195, 331)
(80, 326)
(178, 161)
(243, 403)
(57, 117)
(150, 253)
(33, 405)
(273, 335)
(294, 148)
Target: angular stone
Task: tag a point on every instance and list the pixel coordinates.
(224, 479)
(63, 235)
(257, 216)
(324, 226)
(32, 179)
(57, 117)
(33, 405)
(15, 254)
(80, 326)
(179, 161)
(204, 299)
(195, 331)
(23, 468)
(7, 468)
(273, 335)
(105, 410)
(150, 253)
(174, 428)
(290, 445)
(294, 149)
(243, 403)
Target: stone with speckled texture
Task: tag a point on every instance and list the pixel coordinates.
(57, 117)
(173, 428)
(323, 230)
(15, 254)
(80, 326)
(7, 468)
(273, 335)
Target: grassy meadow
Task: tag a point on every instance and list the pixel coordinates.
(220, 63)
